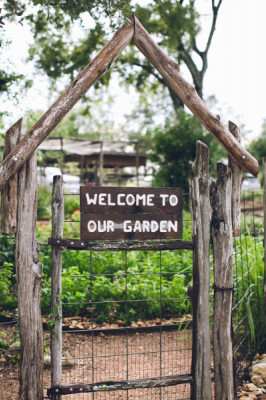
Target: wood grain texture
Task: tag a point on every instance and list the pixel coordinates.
(236, 184)
(56, 284)
(169, 69)
(94, 70)
(201, 214)
(124, 245)
(29, 274)
(9, 193)
(110, 386)
(222, 240)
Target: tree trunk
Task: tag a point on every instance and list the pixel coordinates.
(29, 274)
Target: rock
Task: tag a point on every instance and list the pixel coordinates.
(257, 380)
(258, 374)
(251, 387)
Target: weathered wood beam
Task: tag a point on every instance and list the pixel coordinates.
(94, 70)
(169, 69)
(56, 284)
(236, 184)
(29, 275)
(222, 240)
(124, 245)
(9, 193)
(110, 386)
(201, 215)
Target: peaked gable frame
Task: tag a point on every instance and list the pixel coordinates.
(167, 67)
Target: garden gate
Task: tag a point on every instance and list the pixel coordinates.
(27, 262)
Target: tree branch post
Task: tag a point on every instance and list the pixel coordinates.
(236, 184)
(10, 192)
(56, 285)
(29, 275)
(200, 212)
(222, 240)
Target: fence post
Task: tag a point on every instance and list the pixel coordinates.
(201, 212)
(56, 286)
(264, 213)
(9, 193)
(222, 241)
(236, 184)
(29, 274)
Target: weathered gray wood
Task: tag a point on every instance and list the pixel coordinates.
(201, 214)
(236, 184)
(169, 70)
(9, 193)
(97, 67)
(110, 386)
(222, 240)
(29, 274)
(125, 245)
(264, 213)
(56, 284)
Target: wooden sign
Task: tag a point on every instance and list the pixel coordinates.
(130, 213)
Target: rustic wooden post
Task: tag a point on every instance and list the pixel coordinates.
(9, 193)
(201, 215)
(56, 286)
(264, 212)
(236, 184)
(29, 274)
(222, 240)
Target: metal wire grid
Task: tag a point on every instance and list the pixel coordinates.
(248, 307)
(131, 351)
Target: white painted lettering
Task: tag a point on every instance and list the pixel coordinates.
(163, 226)
(164, 197)
(150, 199)
(137, 226)
(145, 226)
(102, 200)
(130, 199)
(173, 226)
(102, 226)
(110, 226)
(127, 226)
(92, 200)
(173, 200)
(92, 226)
(109, 200)
(140, 199)
(154, 226)
(119, 200)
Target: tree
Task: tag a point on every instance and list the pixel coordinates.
(175, 145)
(258, 146)
(176, 24)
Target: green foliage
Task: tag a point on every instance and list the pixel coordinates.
(44, 202)
(175, 145)
(258, 146)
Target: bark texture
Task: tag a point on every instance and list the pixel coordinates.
(29, 274)
(236, 184)
(9, 193)
(56, 284)
(222, 240)
(200, 212)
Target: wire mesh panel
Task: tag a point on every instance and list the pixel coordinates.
(248, 308)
